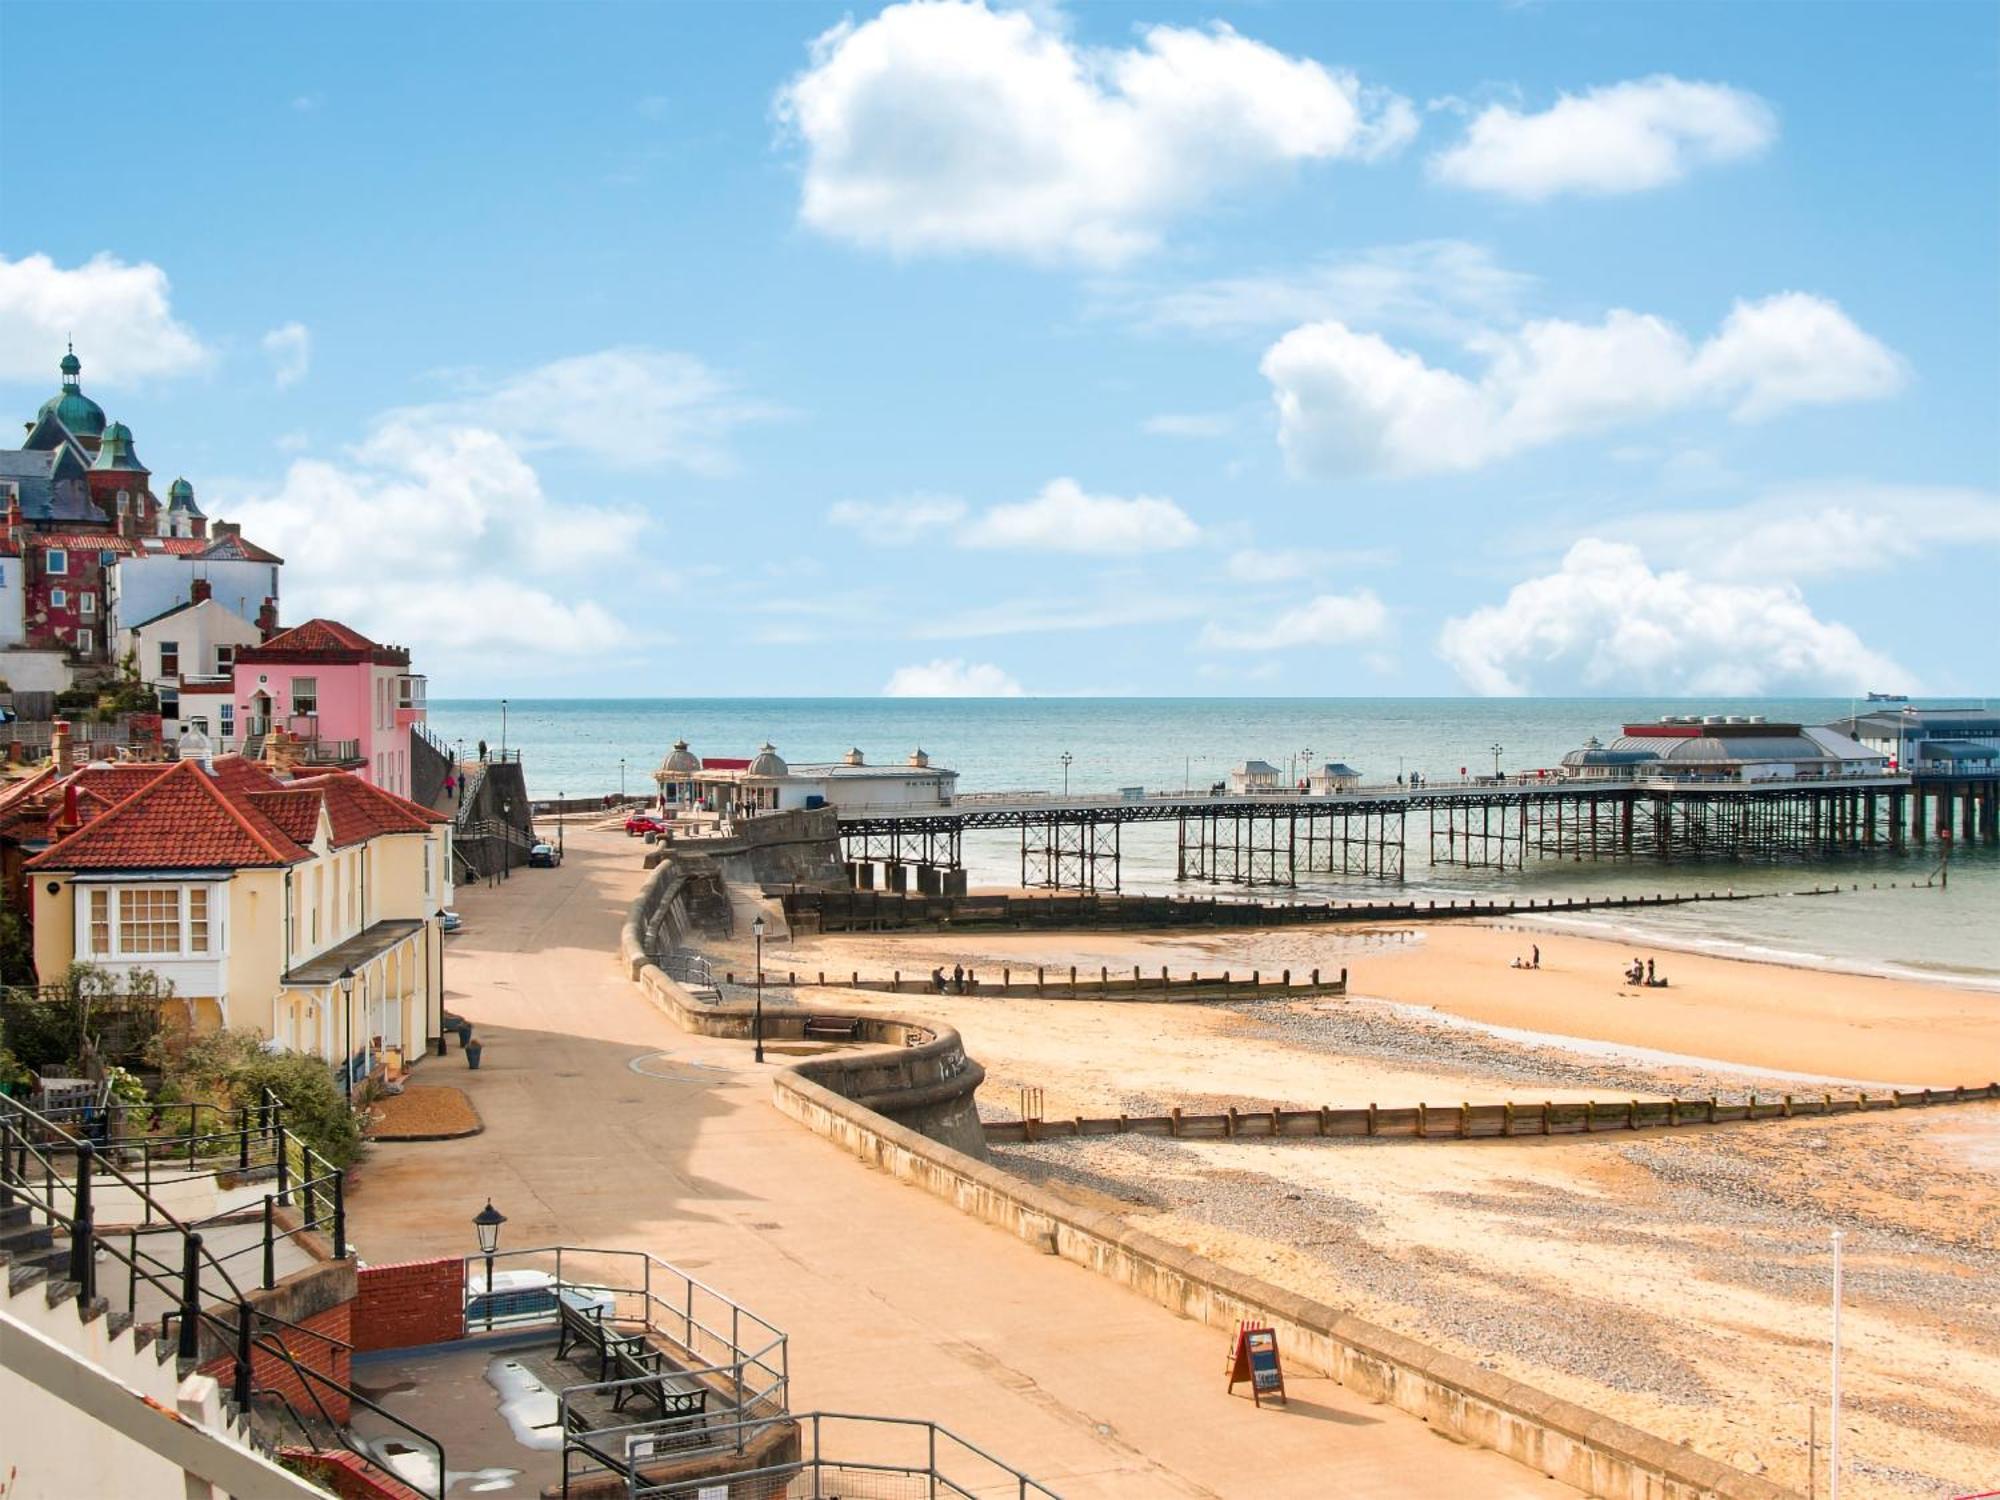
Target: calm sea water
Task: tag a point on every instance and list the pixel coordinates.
(580, 747)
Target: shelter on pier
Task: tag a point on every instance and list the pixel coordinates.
(1256, 776)
(767, 783)
(1726, 748)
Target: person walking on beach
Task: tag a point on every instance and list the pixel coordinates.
(482, 752)
(1649, 972)
(1536, 962)
(958, 979)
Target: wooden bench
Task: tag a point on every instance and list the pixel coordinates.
(581, 1321)
(833, 1028)
(681, 1400)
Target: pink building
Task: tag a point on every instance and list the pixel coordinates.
(334, 696)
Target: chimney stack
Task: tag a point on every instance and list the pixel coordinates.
(202, 590)
(71, 818)
(59, 746)
(267, 618)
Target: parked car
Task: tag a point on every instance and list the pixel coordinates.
(645, 822)
(451, 921)
(543, 857)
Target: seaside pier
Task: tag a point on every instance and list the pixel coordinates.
(1271, 839)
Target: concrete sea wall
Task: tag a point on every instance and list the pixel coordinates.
(843, 1099)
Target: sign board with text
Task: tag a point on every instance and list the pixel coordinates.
(1256, 1360)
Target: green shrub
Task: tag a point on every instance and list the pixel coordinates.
(231, 1069)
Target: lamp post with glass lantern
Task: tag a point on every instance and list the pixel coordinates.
(347, 1031)
(1066, 759)
(757, 1025)
(1497, 753)
(487, 1223)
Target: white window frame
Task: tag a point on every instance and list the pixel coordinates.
(86, 641)
(312, 697)
(58, 598)
(57, 560)
(86, 604)
(112, 945)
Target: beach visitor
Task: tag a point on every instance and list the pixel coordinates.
(1536, 962)
(958, 979)
(1649, 972)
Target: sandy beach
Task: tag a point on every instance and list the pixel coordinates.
(1678, 1281)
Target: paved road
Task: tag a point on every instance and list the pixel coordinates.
(607, 1126)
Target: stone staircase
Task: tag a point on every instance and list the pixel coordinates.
(40, 1295)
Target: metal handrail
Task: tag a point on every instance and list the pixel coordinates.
(815, 1458)
(86, 1241)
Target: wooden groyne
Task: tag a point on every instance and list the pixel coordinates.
(1073, 984)
(890, 911)
(1465, 1121)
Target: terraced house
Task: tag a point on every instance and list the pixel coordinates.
(307, 910)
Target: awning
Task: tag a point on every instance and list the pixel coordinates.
(364, 947)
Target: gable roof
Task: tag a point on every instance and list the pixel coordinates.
(323, 640)
(294, 813)
(360, 810)
(178, 821)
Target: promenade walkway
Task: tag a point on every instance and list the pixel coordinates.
(607, 1126)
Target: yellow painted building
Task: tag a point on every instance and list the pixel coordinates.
(309, 911)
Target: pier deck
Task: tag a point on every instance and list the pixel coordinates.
(1074, 841)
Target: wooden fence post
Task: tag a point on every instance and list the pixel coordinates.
(1423, 1124)
(1548, 1109)
(1464, 1118)
(1229, 1128)
(1507, 1118)
(1174, 1123)
(1371, 1117)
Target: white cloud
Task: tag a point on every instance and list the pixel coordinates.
(897, 523)
(289, 347)
(951, 678)
(1351, 402)
(1062, 518)
(443, 536)
(1328, 620)
(1819, 531)
(952, 127)
(121, 317)
(631, 408)
(1445, 287)
(1605, 621)
(1621, 139)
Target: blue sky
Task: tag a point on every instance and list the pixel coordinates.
(1152, 348)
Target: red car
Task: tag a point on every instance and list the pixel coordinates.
(645, 822)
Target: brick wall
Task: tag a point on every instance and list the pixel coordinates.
(349, 1477)
(410, 1303)
(268, 1372)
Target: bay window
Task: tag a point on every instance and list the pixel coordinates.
(149, 921)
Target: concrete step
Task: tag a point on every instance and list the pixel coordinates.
(21, 1277)
(25, 1239)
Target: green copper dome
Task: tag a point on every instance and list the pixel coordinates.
(115, 451)
(180, 496)
(82, 416)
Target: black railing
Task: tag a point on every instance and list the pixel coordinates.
(32, 1145)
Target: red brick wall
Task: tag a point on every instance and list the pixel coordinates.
(410, 1303)
(349, 1477)
(268, 1372)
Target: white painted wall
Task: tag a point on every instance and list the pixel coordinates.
(142, 586)
(13, 603)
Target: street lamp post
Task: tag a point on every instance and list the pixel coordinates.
(621, 778)
(1306, 760)
(506, 840)
(347, 1031)
(560, 822)
(1066, 759)
(1497, 752)
(503, 728)
(487, 1223)
(440, 1025)
(757, 1025)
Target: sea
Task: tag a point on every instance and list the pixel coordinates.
(1891, 915)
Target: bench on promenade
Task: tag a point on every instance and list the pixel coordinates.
(833, 1028)
(581, 1322)
(647, 1375)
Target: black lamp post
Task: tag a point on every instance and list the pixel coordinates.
(506, 840)
(503, 728)
(440, 942)
(487, 1222)
(561, 819)
(1066, 759)
(1497, 753)
(621, 778)
(757, 1026)
(347, 1031)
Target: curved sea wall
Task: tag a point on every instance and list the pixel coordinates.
(911, 1114)
(914, 1072)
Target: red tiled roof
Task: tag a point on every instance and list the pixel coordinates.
(295, 813)
(360, 810)
(185, 819)
(722, 763)
(318, 635)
